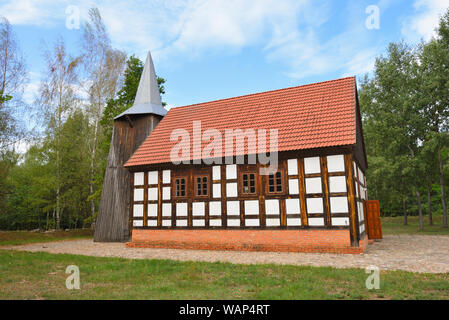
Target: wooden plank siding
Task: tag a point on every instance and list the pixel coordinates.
(112, 223)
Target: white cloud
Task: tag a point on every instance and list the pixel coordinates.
(31, 90)
(423, 24)
(288, 30)
(233, 23)
(26, 12)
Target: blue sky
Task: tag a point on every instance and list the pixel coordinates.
(215, 49)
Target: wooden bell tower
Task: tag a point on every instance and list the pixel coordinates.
(130, 129)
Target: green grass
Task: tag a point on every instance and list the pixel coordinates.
(395, 225)
(42, 276)
(24, 237)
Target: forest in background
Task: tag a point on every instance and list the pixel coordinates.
(57, 183)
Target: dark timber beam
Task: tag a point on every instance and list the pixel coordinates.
(351, 200)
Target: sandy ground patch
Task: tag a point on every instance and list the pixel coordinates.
(429, 254)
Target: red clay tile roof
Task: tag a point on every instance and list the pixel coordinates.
(310, 116)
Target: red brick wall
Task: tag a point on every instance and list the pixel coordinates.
(331, 241)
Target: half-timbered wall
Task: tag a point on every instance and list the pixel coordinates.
(314, 192)
(361, 196)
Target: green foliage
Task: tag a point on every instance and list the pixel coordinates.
(31, 201)
(406, 122)
(27, 188)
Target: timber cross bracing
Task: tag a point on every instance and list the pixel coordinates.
(317, 192)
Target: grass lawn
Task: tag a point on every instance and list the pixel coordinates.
(23, 237)
(395, 225)
(42, 276)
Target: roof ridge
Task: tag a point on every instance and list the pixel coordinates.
(262, 92)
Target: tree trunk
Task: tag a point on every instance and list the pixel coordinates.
(58, 213)
(92, 170)
(418, 196)
(404, 210)
(429, 203)
(443, 194)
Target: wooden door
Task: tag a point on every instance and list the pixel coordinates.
(373, 223)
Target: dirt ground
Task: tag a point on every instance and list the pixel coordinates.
(428, 254)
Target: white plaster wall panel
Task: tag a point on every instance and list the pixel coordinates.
(292, 206)
(337, 184)
(181, 223)
(293, 222)
(152, 223)
(152, 210)
(361, 212)
(166, 193)
(315, 205)
(166, 223)
(339, 222)
(356, 188)
(251, 207)
(199, 223)
(313, 186)
(355, 168)
(312, 165)
(231, 171)
(272, 206)
(166, 209)
(216, 190)
(336, 163)
(362, 228)
(215, 208)
(138, 210)
(316, 222)
(360, 175)
(292, 167)
(216, 173)
(198, 209)
(215, 223)
(166, 176)
(339, 204)
(139, 178)
(273, 222)
(152, 177)
(293, 186)
(181, 209)
(152, 194)
(231, 190)
(138, 194)
(362, 191)
(233, 222)
(252, 222)
(138, 223)
(233, 208)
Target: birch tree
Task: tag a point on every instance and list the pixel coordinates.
(57, 97)
(13, 78)
(104, 66)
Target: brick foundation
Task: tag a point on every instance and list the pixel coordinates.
(325, 241)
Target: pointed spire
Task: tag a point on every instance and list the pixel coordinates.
(148, 90)
(148, 98)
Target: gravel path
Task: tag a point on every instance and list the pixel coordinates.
(429, 254)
